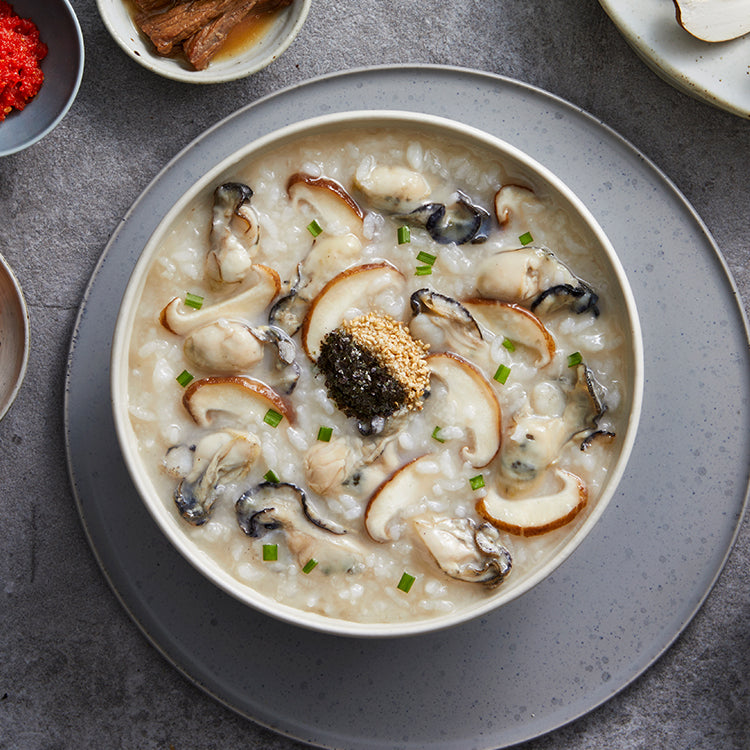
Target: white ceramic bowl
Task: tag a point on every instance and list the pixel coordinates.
(618, 291)
(62, 68)
(14, 337)
(280, 34)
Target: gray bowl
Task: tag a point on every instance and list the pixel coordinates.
(63, 70)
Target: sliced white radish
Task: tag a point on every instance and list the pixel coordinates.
(531, 516)
(242, 399)
(372, 287)
(517, 324)
(714, 20)
(336, 211)
(476, 405)
(245, 305)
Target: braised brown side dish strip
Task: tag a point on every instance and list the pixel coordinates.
(198, 28)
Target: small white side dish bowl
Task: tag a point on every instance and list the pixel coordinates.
(143, 460)
(14, 337)
(117, 17)
(63, 70)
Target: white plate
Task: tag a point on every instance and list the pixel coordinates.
(584, 633)
(718, 73)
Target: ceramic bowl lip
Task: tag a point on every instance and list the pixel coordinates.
(68, 8)
(131, 40)
(7, 399)
(168, 524)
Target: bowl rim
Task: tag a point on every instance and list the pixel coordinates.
(163, 65)
(7, 400)
(73, 93)
(158, 510)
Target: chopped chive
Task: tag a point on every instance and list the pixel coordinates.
(406, 582)
(404, 235)
(501, 375)
(509, 345)
(324, 434)
(271, 476)
(270, 552)
(309, 565)
(575, 359)
(427, 258)
(314, 228)
(273, 418)
(194, 300)
(436, 435)
(526, 238)
(184, 378)
(423, 270)
(477, 482)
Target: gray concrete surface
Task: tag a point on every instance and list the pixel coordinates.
(75, 672)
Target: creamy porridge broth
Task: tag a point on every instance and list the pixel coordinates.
(407, 372)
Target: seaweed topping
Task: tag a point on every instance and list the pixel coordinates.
(373, 367)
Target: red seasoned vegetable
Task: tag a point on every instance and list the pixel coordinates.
(20, 54)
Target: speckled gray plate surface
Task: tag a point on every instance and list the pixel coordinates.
(577, 638)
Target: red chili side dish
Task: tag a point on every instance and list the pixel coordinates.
(20, 54)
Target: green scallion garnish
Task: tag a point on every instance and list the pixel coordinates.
(423, 270)
(575, 359)
(309, 565)
(509, 345)
(406, 582)
(273, 418)
(271, 476)
(436, 435)
(314, 228)
(526, 238)
(426, 258)
(404, 235)
(184, 378)
(270, 552)
(324, 434)
(477, 482)
(194, 300)
(501, 374)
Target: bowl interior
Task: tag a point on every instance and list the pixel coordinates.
(63, 70)
(14, 335)
(621, 299)
(273, 42)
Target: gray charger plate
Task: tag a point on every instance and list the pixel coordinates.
(580, 636)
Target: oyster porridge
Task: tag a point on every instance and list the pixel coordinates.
(378, 376)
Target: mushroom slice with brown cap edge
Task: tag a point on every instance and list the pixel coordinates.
(466, 551)
(219, 458)
(468, 387)
(358, 288)
(242, 399)
(515, 323)
(531, 516)
(714, 21)
(230, 257)
(535, 278)
(337, 211)
(284, 507)
(245, 305)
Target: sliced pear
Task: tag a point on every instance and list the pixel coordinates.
(531, 516)
(404, 488)
(467, 386)
(244, 400)
(337, 212)
(246, 305)
(714, 20)
(516, 323)
(357, 288)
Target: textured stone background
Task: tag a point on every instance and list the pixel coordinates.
(74, 670)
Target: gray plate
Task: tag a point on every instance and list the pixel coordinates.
(606, 614)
